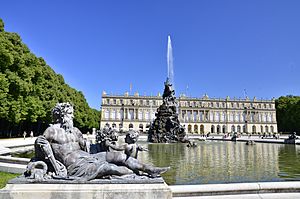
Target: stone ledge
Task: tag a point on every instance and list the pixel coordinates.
(235, 188)
(86, 191)
(12, 168)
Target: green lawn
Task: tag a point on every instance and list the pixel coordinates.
(4, 177)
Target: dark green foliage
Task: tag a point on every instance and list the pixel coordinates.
(29, 89)
(1, 25)
(288, 114)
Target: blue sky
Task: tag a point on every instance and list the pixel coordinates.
(219, 47)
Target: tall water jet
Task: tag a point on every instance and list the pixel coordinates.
(166, 127)
(170, 62)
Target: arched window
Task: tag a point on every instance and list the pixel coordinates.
(253, 129)
(272, 129)
(189, 128)
(261, 129)
(244, 128)
(238, 128)
(195, 128)
(232, 128)
(201, 128)
(114, 125)
(224, 129)
(267, 129)
(218, 129)
(212, 129)
(130, 125)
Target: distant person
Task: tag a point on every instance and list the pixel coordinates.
(24, 134)
(31, 134)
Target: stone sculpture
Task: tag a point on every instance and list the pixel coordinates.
(63, 149)
(166, 126)
(130, 147)
(106, 137)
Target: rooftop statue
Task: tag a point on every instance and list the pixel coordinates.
(61, 152)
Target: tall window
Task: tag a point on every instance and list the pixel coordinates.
(140, 115)
(113, 114)
(189, 114)
(237, 117)
(106, 114)
(195, 116)
(217, 116)
(211, 116)
(147, 115)
(231, 117)
(201, 116)
(131, 114)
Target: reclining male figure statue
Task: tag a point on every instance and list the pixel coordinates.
(62, 148)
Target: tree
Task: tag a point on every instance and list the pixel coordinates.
(288, 113)
(29, 89)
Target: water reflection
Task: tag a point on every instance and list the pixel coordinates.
(223, 162)
(289, 162)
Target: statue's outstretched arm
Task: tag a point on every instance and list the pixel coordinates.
(42, 143)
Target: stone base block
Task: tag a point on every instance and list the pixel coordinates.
(86, 191)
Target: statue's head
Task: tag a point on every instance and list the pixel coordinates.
(131, 137)
(62, 113)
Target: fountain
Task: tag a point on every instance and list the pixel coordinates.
(166, 127)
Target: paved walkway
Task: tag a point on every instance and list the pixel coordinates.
(13, 142)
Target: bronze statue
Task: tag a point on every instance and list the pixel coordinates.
(166, 126)
(130, 147)
(63, 148)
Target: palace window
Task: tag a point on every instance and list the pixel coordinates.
(140, 115)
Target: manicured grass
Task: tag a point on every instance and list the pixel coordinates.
(4, 177)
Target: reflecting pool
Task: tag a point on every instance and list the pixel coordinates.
(224, 162)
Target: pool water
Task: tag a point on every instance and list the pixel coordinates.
(224, 162)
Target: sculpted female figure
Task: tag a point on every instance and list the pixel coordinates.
(63, 148)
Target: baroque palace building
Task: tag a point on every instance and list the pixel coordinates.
(198, 115)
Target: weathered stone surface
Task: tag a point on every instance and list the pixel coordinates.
(4, 150)
(166, 126)
(86, 191)
(127, 179)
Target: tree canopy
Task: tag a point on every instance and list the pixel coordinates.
(29, 89)
(288, 113)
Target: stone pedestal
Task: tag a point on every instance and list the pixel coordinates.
(86, 191)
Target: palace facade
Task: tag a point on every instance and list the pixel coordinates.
(198, 115)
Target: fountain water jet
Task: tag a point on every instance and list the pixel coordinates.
(166, 126)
